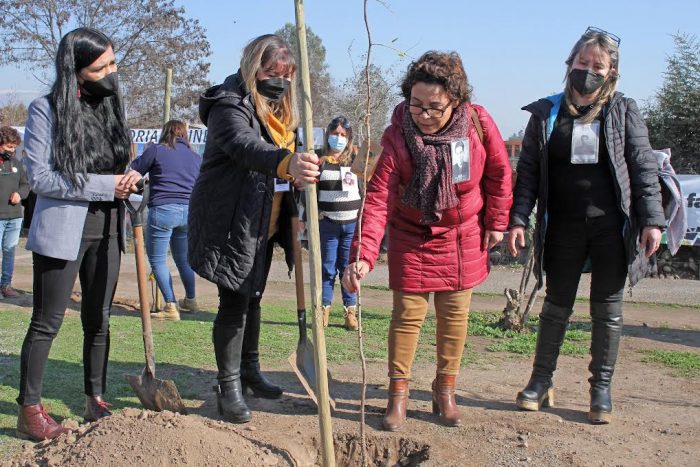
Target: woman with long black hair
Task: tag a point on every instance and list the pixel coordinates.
(77, 149)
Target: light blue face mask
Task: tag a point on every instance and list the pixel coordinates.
(337, 143)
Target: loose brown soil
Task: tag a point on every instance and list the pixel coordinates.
(656, 415)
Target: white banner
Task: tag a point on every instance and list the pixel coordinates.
(140, 136)
(690, 188)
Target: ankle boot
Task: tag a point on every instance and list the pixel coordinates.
(350, 318)
(188, 305)
(326, 314)
(169, 313)
(605, 342)
(539, 391)
(228, 341)
(395, 415)
(230, 402)
(251, 376)
(96, 408)
(35, 424)
(444, 403)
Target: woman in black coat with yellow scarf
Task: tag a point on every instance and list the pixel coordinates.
(237, 211)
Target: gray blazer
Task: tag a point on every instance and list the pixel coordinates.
(61, 207)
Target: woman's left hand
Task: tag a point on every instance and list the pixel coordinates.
(651, 239)
(491, 239)
(304, 167)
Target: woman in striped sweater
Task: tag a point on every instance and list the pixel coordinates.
(338, 204)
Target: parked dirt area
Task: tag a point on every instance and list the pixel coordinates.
(656, 418)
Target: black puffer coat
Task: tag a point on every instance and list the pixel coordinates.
(632, 164)
(231, 203)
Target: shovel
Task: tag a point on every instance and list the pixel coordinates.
(154, 394)
(302, 360)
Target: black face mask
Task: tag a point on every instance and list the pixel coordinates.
(6, 156)
(585, 81)
(106, 87)
(273, 88)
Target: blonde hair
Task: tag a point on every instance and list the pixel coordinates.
(604, 43)
(264, 52)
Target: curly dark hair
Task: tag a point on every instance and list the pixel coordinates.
(9, 135)
(443, 68)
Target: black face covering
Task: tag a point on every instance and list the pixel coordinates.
(6, 156)
(273, 88)
(585, 81)
(106, 87)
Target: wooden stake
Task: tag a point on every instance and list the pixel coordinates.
(324, 408)
(166, 100)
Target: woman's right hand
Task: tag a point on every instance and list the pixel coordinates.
(353, 274)
(516, 239)
(304, 167)
(125, 184)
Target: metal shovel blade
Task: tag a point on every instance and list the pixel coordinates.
(156, 394)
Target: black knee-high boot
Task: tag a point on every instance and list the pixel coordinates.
(251, 376)
(539, 391)
(605, 342)
(228, 342)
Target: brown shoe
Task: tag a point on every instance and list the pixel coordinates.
(444, 404)
(395, 415)
(170, 312)
(35, 424)
(96, 408)
(188, 305)
(350, 318)
(8, 292)
(326, 309)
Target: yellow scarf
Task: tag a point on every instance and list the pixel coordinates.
(284, 139)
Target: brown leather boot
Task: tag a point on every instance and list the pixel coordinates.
(35, 424)
(351, 323)
(326, 310)
(96, 408)
(444, 404)
(395, 415)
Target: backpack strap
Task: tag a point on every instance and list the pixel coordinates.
(477, 124)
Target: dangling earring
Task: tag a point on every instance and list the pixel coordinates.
(78, 92)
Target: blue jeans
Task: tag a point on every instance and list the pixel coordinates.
(167, 224)
(335, 253)
(9, 231)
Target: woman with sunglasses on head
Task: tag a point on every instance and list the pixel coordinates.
(77, 148)
(603, 206)
(441, 224)
(237, 210)
(338, 203)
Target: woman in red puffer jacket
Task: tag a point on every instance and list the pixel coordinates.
(443, 184)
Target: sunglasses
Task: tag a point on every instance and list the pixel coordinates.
(612, 36)
(340, 121)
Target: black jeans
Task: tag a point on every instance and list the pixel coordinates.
(98, 266)
(568, 244)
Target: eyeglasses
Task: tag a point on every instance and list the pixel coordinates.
(340, 121)
(612, 36)
(431, 111)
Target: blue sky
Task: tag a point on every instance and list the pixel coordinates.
(513, 51)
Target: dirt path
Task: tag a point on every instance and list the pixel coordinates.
(656, 415)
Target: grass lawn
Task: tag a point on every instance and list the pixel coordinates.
(187, 349)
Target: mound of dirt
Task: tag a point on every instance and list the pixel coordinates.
(141, 437)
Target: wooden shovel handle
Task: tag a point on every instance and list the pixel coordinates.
(298, 266)
(141, 276)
